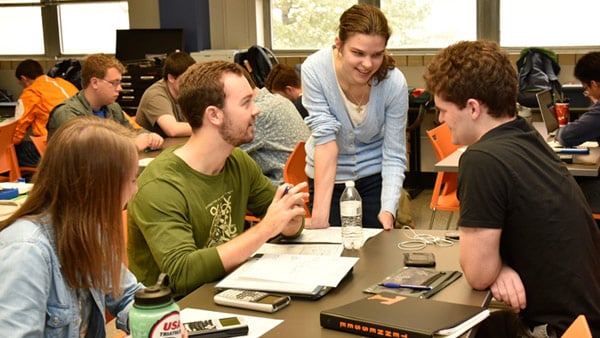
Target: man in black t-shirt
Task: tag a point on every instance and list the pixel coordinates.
(526, 231)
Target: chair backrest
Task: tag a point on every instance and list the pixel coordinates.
(578, 329)
(441, 140)
(40, 143)
(8, 155)
(293, 171)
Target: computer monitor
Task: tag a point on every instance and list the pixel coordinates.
(139, 44)
(545, 102)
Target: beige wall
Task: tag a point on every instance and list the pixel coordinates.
(233, 24)
(144, 14)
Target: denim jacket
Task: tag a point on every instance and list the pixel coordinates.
(35, 299)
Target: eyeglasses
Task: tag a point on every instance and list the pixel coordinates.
(114, 83)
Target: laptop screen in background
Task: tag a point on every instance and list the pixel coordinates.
(545, 102)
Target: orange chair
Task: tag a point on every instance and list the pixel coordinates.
(40, 143)
(578, 329)
(444, 191)
(8, 155)
(293, 171)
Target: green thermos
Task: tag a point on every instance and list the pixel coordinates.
(154, 313)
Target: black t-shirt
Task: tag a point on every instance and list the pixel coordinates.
(511, 180)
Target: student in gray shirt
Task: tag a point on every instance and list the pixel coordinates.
(279, 127)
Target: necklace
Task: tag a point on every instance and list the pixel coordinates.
(359, 103)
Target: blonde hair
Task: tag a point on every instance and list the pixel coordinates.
(79, 184)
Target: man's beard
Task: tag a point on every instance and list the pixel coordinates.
(234, 137)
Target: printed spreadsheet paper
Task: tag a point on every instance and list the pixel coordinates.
(328, 235)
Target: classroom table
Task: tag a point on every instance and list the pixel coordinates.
(379, 258)
(145, 156)
(583, 165)
(168, 142)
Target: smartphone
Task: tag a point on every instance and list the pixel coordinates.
(421, 259)
(252, 300)
(221, 327)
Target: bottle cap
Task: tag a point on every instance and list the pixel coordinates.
(349, 183)
(157, 294)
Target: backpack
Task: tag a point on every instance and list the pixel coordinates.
(258, 61)
(69, 69)
(538, 70)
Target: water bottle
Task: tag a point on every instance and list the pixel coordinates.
(351, 213)
(154, 313)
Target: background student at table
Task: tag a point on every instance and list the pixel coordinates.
(41, 93)
(158, 110)
(526, 231)
(285, 81)
(187, 219)
(351, 92)
(61, 252)
(587, 126)
(278, 128)
(101, 81)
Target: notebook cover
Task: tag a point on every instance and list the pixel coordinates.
(415, 275)
(392, 315)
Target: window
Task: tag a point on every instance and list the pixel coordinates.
(426, 24)
(28, 19)
(78, 36)
(549, 23)
(83, 26)
(305, 24)
(433, 24)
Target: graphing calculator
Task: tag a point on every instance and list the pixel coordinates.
(215, 328)
(253, 300)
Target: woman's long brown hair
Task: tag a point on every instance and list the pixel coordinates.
(79, 185)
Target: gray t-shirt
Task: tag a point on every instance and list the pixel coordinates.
(279, 127)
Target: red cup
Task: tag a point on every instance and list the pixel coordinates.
(562, 113)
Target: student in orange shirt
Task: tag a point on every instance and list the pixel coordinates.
(40, 95)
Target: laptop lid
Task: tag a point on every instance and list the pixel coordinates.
(545, 102)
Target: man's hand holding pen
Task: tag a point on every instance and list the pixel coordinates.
(286, 213)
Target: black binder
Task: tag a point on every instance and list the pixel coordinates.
(393, 315)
